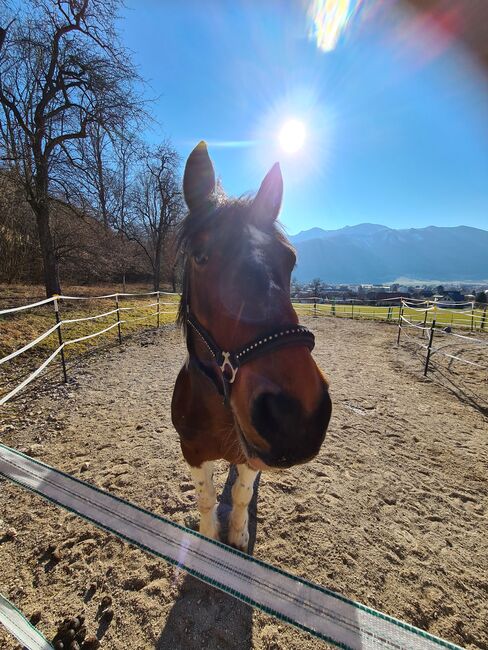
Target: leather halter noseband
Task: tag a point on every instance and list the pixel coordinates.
(230, 362)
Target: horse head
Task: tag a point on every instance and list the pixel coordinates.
(237, 295)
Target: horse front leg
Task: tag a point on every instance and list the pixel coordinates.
(206, 499)
(242, 492)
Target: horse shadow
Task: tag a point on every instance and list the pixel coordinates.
(203, 616)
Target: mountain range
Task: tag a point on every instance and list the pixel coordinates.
(374, 254)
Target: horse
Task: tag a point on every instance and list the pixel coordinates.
(249, 391)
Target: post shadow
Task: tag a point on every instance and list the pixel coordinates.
(203, 616)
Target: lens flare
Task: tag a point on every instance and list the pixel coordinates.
(292, 136)
(329, 19)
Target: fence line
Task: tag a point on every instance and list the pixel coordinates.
(462, 318)
(86, 318)
(314, 309)
(432, 329)
(16, 623)
(23, 307)
(40, 338)
(31, 377)
(60, 322)
(292, 599)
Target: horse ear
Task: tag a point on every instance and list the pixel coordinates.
(267, 203)
(199, 177)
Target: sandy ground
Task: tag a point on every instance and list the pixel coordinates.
(392, 513)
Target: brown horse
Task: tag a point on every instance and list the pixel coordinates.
(249, 392)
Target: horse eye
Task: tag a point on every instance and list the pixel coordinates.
(200, 258)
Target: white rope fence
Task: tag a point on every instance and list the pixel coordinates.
(293, 600)
(436, 329)
(463, 314)
(55, 300)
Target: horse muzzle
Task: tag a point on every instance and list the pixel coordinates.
(290, 435)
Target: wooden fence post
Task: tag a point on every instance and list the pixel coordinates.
(352, 310)
(429, 347)
(158, 309)
(425, 321)
(315, 307)
(118, 317)
(472, 316)
(400, 316)
(60, 337)
(483, 320)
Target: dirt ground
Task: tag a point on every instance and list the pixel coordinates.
(393, 512)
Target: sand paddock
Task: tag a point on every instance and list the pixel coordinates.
(393, 512)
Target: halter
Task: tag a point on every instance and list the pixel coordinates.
(229, 362)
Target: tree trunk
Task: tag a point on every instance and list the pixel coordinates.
(51, 277)
(157, 269)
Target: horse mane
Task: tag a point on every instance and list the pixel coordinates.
(236, 211)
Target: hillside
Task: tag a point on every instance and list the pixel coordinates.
(372, 253)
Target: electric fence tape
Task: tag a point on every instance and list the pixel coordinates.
(20, 628)
(293, 600)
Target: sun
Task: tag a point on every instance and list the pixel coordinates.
(292, 136)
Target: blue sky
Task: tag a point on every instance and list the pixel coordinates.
(396, 116)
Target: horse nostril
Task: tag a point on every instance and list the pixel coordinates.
(276, 416)
(293, 435)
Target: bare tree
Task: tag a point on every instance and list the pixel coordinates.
(61, 71)
(157, 205)
(317, 287)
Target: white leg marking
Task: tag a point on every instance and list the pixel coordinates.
(242, 491)
(206, 499)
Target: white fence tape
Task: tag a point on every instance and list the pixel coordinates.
(296, 601)
(25, 633)
(453, 356)
(110, 295)
(23, 307)
(80, 320)
(92, 336)
(40, 338)
(30, 378)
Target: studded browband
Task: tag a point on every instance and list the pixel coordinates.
(230, 362)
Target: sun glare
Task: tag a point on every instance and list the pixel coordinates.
(292, 136)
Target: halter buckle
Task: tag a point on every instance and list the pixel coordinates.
(227, 362)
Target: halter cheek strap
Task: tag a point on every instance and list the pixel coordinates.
(230, 362)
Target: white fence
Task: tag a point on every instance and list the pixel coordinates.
(58, 327)
(464, 315)
(448, 338)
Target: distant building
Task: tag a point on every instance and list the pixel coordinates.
(452, 297)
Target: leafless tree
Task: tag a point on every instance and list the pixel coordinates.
(157, 205)
(62, 71)
(317, 287)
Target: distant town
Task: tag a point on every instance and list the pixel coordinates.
(449, 293)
